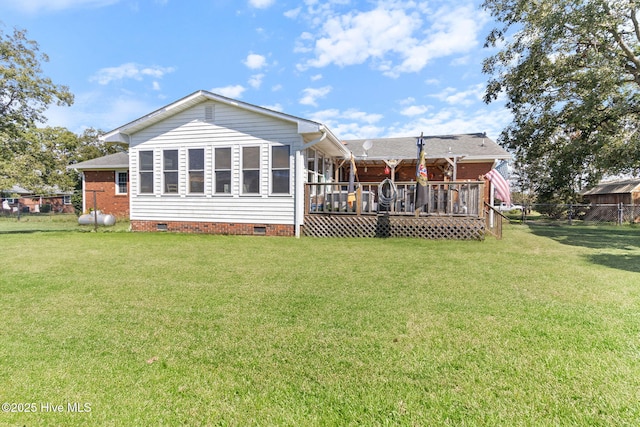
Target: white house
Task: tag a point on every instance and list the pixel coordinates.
(209, 163)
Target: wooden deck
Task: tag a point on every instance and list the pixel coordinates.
(455, 211)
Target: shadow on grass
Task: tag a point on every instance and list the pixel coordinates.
(623, 238)
(625, 262)
(50, 230)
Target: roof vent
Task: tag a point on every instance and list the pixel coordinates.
(208, 113)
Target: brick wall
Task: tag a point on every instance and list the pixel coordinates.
(473, 170)
(407, 172)
(214, 228)
(107, 201)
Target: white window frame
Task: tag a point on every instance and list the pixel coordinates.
(243, 169)
(215, 171)
(150, 171)
(272, 169)
(203, 170)
(118, 182)
(172, 171)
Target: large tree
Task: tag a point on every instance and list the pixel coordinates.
(37, 159)
(27, 154)
(25, 93)
(570, 71)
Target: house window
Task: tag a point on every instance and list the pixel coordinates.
(66, 200)
(122, 182)
(196, 170)
(251, 170)
(170, 170)
(280, 170)
(146, 171)
(223, 170)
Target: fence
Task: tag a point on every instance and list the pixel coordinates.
(609, 214)
(37, 205)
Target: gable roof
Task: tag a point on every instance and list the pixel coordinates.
(472, 146)
(109, 162)
(312, 132)
(614, 187)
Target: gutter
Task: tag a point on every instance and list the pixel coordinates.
(310, 144)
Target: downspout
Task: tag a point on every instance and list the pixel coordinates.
(317, 140)
(298, 216)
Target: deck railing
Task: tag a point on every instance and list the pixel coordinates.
(453, 198)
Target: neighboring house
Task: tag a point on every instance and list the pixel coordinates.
(105, 184)
(614, 201)
(211, 164)
(614, 192)
(18, 199)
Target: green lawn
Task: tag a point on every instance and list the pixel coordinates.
(540, 328)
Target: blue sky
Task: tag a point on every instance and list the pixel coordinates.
(366, 69)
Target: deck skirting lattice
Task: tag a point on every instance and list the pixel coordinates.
(431, 227)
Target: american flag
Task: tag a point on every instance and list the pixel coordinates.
(501, 186)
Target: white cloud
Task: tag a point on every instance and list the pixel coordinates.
(156, 86)
(300, 46)
(130, 70)
(362, 117)
(261, 4)
(350, 124)
(467, 97)
(311, 95)
(407, 101)
(463, 60)
(255, 81)
(235, 91)
(448, 121)
(34, 6)
(415, 110)
(316, 77)
(396, 37)
(255, 61)
(355, 37)
(293, 13)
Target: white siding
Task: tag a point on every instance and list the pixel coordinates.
(231, 127)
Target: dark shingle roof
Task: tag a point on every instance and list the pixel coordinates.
(109, 162)
(473, 145)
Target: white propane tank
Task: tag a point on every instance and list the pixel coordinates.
(97, 217)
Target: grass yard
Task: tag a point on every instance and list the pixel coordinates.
(540, 328)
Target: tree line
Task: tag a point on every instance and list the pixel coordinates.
(569, 71)
(32, 157)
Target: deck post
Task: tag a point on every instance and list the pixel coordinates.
(359, 200)
(481, 199)
(306, 199)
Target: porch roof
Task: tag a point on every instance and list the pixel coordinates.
(469, 147)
